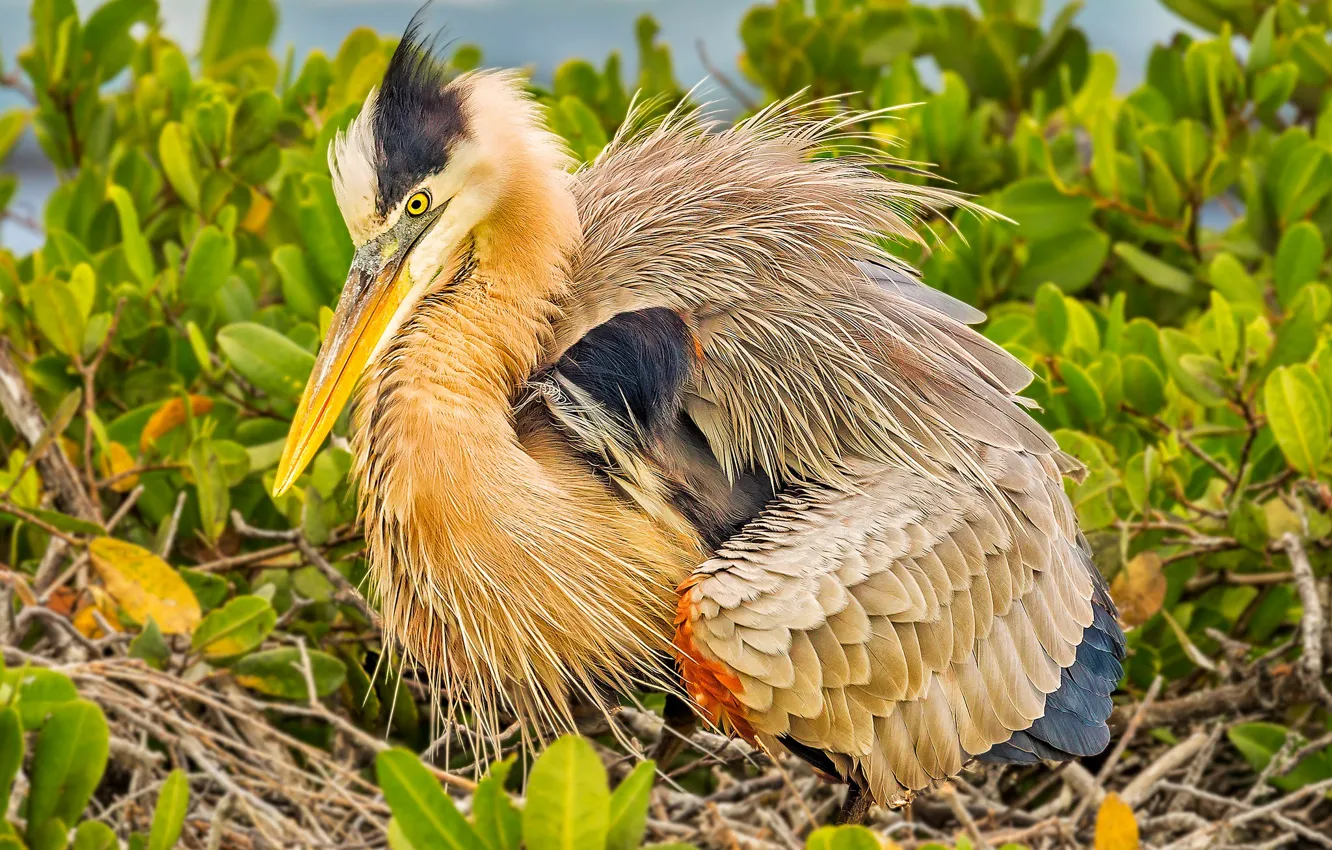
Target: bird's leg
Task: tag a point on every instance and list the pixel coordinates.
(856, 806)
(680, 724)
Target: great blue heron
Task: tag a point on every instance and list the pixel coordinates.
(681, 402)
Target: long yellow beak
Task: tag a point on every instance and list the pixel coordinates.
(369, 300)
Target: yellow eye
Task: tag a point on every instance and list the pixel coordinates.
(418, 203)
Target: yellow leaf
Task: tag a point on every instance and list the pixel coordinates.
(1116, 828)
(116, 460)
(144, 585)
(169, 416)
(256, 217)
(71, 450)
(1139, 590)
(86, 623)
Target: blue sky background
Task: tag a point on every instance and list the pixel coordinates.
(536, 33)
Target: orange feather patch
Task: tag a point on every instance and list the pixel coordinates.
(712, 686)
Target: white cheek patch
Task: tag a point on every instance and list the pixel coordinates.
(351, 159)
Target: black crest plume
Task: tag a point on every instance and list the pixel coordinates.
(417, 119)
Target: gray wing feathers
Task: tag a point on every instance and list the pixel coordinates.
(902, 627)
(905, 286)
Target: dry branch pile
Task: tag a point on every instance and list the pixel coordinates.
(270, 773)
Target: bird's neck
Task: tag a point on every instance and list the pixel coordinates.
(499, 556)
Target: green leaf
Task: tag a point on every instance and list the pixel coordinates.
(1098, 88)
(328, 247)
(1083, 392)
(173, 801)
(1042, 211)
(498, 821)
(1083, 334)
(235, 629)
(68, 759)
(1257, 742)
(137, 253)
(1164, 190)
(1300, 415)
(1207, 378)
(199, 347)
(1261, 42)
(397, 839)
(1142, 469)
(63, 522)
(576, 122)
(1189, 151)
(842, 838)
(236, 25)
(1273, 87)
(1305, 180)
(1228, 277)
(211, 488)
(1247, 524)
(50, 834)
(149, 646)
(1190, 368)
(1070, 260)
(567, 798)
(83, 286)
(299, 290)
(95, 835)
(39, 693)
(266, 358)
(64, 414)
(11, 752)
(106, 35)
(1157, 272)
(208, 265)
(255, 121)
(314, 517)
(12, 124)
(425, 814)
(1299, 259)
(1296, 339)
(1144, 387)
(174, 150)
(57, 314)
(209, 589)
(1225, 330)
(278, 673)
(1052, 316)
(1104, 158)
(629, 808)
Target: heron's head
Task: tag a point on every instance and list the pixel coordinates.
(428, 167)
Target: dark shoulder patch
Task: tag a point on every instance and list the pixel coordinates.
(637, 367)
(417, 118)
(634, 365)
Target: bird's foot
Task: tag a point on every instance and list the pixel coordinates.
(855, 807)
